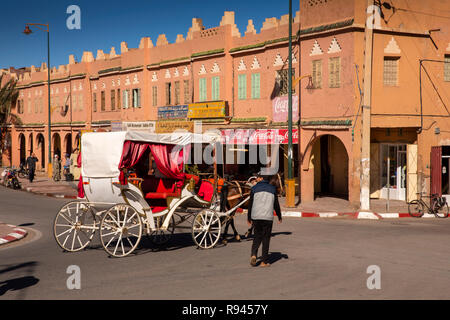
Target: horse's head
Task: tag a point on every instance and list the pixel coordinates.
(277, 181)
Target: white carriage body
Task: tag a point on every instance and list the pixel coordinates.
(101, 154)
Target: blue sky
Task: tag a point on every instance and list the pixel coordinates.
(105, 24)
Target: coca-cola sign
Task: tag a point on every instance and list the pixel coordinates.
(258, 136)
(281, 109)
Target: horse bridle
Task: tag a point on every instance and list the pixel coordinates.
(281, 184)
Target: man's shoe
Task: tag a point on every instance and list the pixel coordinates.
(265, 264)
(253, 261)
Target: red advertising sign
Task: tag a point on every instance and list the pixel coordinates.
(258, 136)
(281, 107)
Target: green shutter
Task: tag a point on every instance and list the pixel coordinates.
(256, 86)
(242, 87)
(215, 92)
(202, 88)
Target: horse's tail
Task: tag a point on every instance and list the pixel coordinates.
(224, 198)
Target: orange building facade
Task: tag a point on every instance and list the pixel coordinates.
(232, 79)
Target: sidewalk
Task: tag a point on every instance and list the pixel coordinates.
(10, 233)
(45, 186)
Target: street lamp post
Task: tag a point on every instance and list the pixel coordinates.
(290, 182)
(27, 31)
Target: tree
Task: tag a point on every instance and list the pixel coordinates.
(8, 98)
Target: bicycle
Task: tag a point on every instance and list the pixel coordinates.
(438, 206)
(23, 172)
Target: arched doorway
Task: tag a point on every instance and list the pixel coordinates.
(7, 155)
(30, 144)
(330, 161)
(41, 146)
(68, 143)
(77, 142)
(23, 150)
(57, 145)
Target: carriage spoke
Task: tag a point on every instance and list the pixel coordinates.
(73, 240)
(68, 230)
(131, 217)
(110, 240)
(63, 225)
(117, 244)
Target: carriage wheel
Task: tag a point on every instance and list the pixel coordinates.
(121, 230)
(160, 237)
(74, 226)
(206, 229)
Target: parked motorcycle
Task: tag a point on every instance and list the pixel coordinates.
(23, 172)
(11, 179)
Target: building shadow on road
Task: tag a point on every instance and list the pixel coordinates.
(19, 283)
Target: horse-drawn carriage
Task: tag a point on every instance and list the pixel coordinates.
(118, 196)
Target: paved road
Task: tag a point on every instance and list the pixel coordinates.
(315, 259)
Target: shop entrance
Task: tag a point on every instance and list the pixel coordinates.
(393, 177)
(330, 161)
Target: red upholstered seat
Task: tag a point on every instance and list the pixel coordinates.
(165, 188)
(206, 191)
(158, 209)
(161, 195)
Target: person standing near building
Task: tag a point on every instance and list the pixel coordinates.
(56, 168)
(263, 202)
(31, 165)
(67, 164)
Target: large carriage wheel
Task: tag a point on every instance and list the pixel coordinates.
(206, 229)
(161, 237)
(121, 230)
(74, 226)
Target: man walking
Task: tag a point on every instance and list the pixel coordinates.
(263, 202)
(56, 168)
(31, 165)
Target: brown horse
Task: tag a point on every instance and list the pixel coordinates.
(235, 192)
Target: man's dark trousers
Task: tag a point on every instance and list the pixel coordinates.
(31, 175)
(262, 232)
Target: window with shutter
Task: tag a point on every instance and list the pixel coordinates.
(94, 103)
(113, 100)
(125, 99)
(215, 90)
(103, 101)
(177, 92)
(447, 67)
(155, 96)
(317, 73)
(202, 89)
(242, 87)
(283, 81)
(187, 92)
(168, 93)
(256, 92)
(390, 71)
(334, 67)
(118, 99)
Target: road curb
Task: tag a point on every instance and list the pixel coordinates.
(352, 215)
(16, 234)
(52, 195)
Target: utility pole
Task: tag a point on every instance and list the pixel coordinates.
(290, 181)
(366, 109)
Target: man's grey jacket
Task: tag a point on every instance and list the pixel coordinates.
(263, 202)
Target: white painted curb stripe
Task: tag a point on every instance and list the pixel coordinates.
(367, 215)
(389, 215)
(328, 215)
